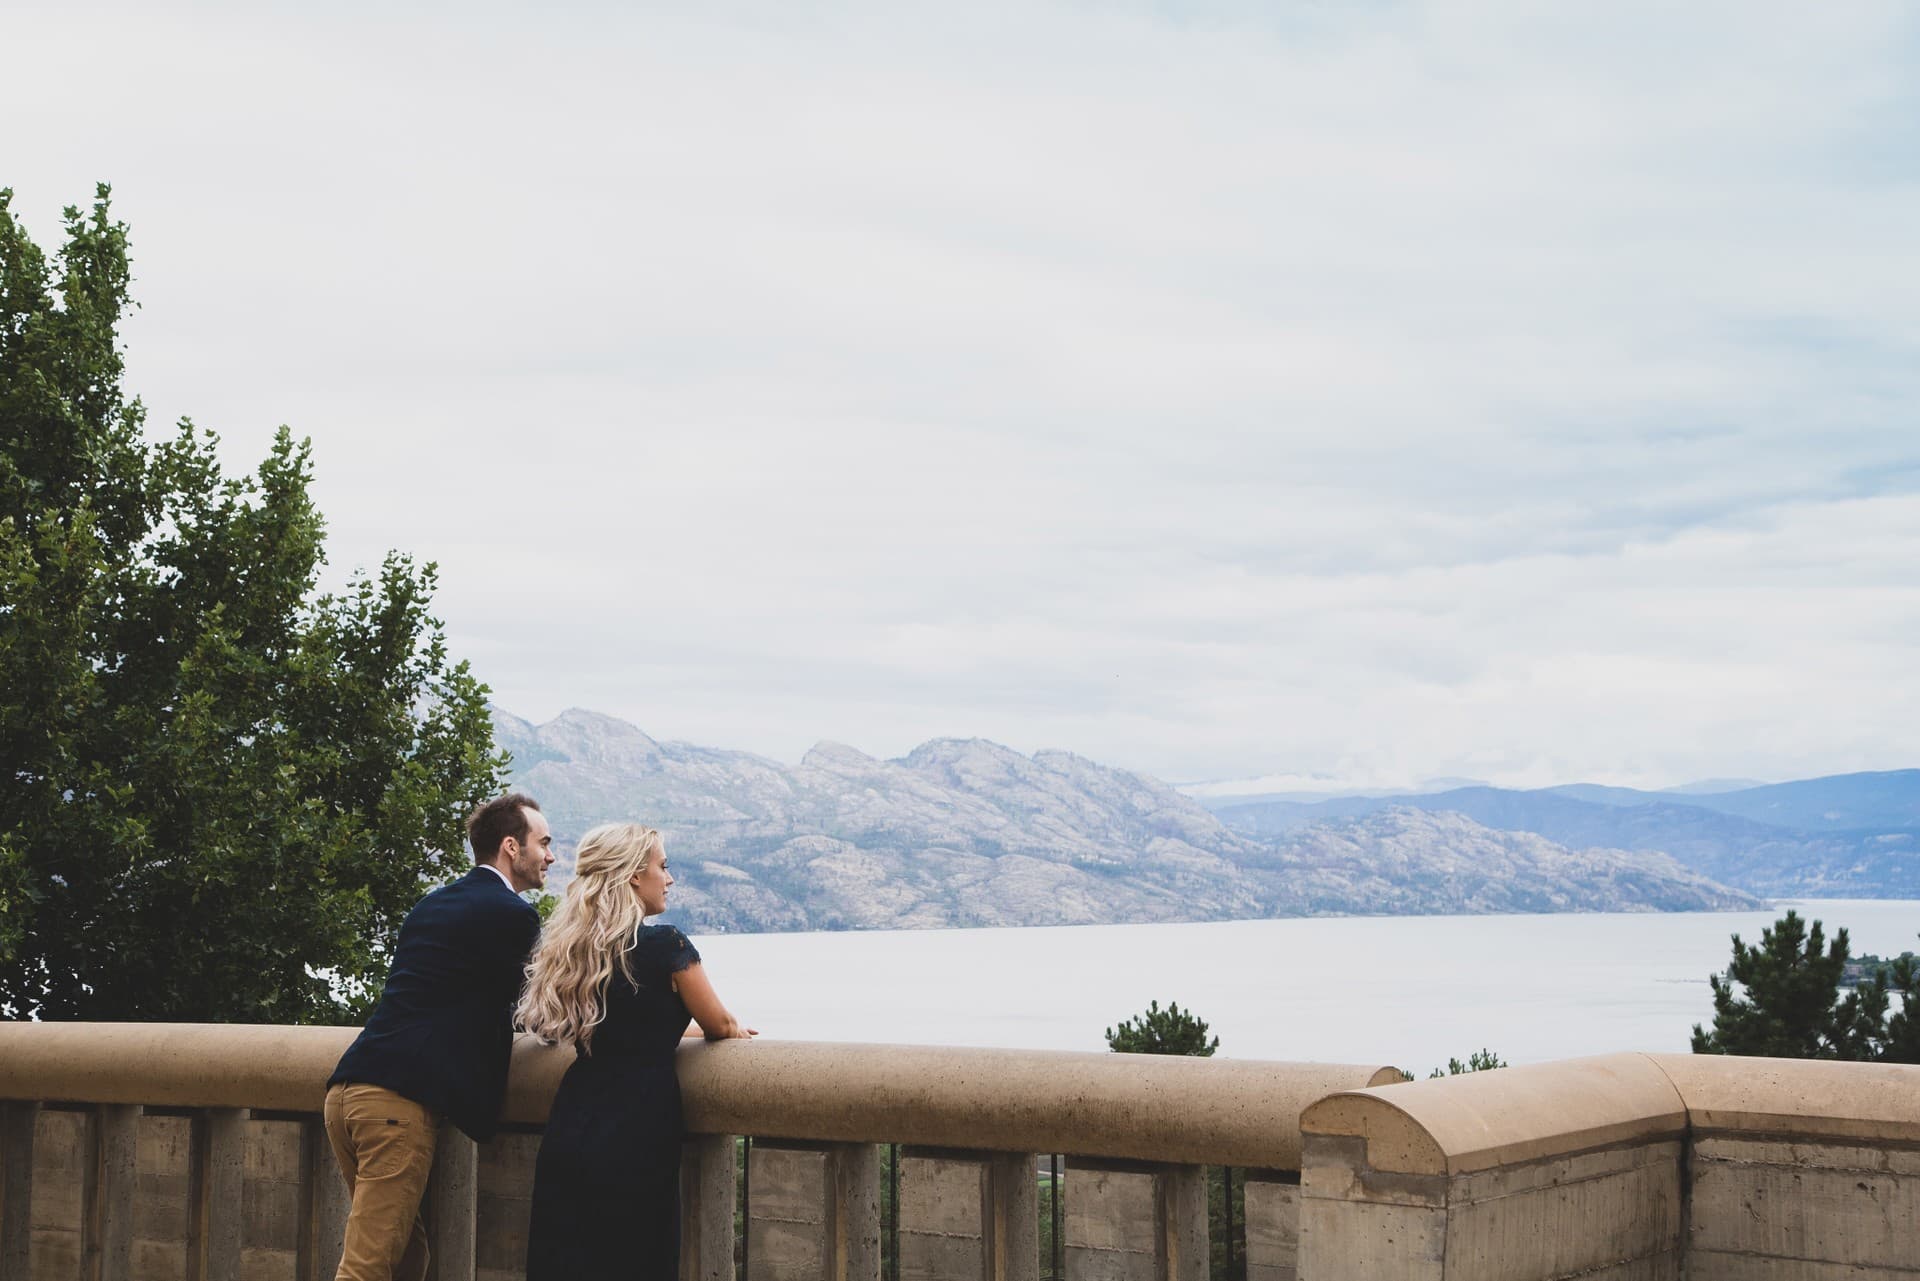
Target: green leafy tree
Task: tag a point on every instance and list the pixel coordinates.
(1782, 998)
(219, 790)
(1169, 1031)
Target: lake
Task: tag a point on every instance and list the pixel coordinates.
(1408, 990)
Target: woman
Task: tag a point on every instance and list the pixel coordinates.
(606, 1186)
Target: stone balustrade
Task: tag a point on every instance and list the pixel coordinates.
(147, 1151)
(156, 1150)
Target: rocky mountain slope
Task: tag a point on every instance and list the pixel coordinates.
(966, 832)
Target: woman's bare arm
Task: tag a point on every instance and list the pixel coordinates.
(696, 989)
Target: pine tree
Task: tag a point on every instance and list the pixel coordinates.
(1781, 999)
(1169, 1031)
(1901, 1044)
(1479, 1061)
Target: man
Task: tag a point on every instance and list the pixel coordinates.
(436, 1047)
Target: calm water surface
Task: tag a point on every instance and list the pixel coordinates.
(1411, 990)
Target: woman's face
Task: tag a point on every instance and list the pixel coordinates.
(650, 885)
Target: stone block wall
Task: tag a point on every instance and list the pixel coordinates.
(944, 1236)
(1272, 1225)
(1611, 1215)
(273, 1176)
(1628, 1168)
(1772, 1209)
(62, 1151)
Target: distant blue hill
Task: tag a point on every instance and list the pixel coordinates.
(1843, 802)
(1837, 803)
(1600, 795)
(1215, 803)
(1710, 786)
(1850, 834)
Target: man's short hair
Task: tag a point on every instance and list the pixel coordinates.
(489, 826)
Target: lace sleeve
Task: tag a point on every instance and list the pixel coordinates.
(675, 950)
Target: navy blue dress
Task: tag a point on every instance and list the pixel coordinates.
(606, 1186)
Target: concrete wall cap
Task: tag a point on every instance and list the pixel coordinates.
(1138, 1106)
(1878, 1102)
(1145, 1107)
(266, 1067)
(1458, 1124)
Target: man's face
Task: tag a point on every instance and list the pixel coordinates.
(528, 861)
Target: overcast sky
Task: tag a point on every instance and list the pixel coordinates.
(1356, 392)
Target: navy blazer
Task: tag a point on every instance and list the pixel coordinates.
(444, 1025)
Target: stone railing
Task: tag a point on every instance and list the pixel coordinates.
(158, 1150)
(142, 1150)
(1631, 1167)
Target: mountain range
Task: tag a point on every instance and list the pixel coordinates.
(968, 832)
(1843, 836)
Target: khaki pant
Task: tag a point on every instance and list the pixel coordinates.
(384, 1144)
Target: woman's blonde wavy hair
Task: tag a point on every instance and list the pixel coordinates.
(565, 996)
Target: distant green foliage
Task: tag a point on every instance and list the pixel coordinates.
(1221, 1214)
(1048, 1191)
(221, 791)
(1782, 998)
(1478, 1061)
(1865, 969)
(1169, 1031)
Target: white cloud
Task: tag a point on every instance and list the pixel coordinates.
(1370, 391)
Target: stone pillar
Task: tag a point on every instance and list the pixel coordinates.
(855, 1209)
(17, 1124)
(107, 1195)
(1181, 1227)
(1357, 1224)
(1013, 1217)
(452, 1202)
(218, 1181)
(504, 1205)
(707, 1178)
(323, 1206)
